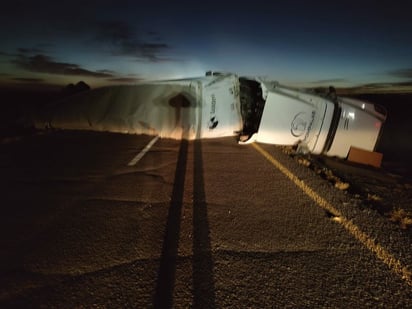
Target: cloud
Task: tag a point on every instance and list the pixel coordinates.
(106, 72)
(388, 84)
(2, 53)
(123, 40)
(26, 59)
(23, 50)
(43, 64)
(28, 80)
(125, 80)
(150, 51)
(404, 73)
(330, 81)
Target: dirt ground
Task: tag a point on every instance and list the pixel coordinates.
(382, 189)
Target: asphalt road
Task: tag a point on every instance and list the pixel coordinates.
(204, 224)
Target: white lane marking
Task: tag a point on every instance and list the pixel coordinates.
(143, 152)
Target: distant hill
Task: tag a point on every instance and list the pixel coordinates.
(383, 88)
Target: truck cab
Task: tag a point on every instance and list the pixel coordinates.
(319, 124)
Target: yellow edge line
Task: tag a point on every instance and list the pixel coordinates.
(394, 264)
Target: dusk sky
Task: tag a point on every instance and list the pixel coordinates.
(310, 43)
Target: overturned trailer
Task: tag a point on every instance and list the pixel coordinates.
(218, 105)
(194, 108)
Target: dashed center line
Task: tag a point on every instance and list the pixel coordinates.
(392, 262)
(143, 152)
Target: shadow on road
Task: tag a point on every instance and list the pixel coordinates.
(167, 271)
(203, 284)
(202, 267)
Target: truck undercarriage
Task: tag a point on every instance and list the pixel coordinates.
(252, 104)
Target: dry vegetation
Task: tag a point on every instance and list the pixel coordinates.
(387, 194)
(401, 217)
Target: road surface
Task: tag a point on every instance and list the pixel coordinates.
(88, 222)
